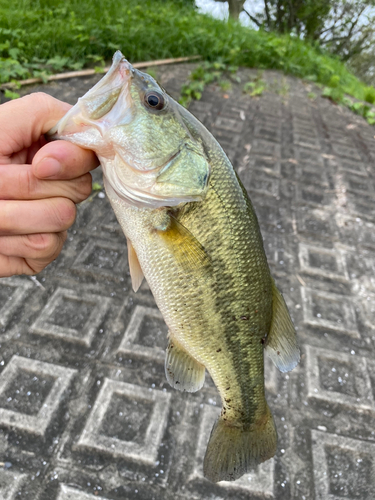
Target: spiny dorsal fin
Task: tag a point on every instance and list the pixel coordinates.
(187, 250)
(136, 272)
(182, 371)
(281, 343)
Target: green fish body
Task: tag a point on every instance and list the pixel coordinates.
(193, 233)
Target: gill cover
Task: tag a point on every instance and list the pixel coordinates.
(148, 155)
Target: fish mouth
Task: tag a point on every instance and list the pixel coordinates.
(99, 122)
(97, 102)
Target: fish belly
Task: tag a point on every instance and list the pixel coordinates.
(220, 317)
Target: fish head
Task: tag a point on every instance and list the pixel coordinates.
(149, 157)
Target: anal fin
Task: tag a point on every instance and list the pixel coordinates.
(281, 343)
(136, 272)
(182, 371)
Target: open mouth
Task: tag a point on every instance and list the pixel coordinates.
(97, 102)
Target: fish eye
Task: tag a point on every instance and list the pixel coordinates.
(154, 100)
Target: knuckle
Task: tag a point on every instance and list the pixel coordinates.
(65, 213)
(19, 266)
(45, 246)
(6, 216)
(39, 243)
(27, 183)
(44, 100)
(56, 245)
(30, 269)
(84, 187)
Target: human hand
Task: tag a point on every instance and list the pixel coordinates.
(40, 183)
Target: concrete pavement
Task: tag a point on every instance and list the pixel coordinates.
(85, 409)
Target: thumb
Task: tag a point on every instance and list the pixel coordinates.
(24, 120)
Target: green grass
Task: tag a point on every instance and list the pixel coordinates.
(38, 37)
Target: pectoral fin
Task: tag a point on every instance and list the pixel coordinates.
(182, 371)
(187, 250)
(281, 343)
(136, 272)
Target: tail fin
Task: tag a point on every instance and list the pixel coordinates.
(234, 450)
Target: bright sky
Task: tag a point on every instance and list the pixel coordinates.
(220, 9)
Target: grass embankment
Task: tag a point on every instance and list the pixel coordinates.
(39, 37)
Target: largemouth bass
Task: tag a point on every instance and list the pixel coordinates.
(193, 234)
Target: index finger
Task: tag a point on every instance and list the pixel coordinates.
(24, 120)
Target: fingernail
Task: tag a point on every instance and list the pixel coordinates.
(48, 167)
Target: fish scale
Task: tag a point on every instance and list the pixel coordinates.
(236, 250)
(193, 234)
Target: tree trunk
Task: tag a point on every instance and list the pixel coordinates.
(235, 8)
